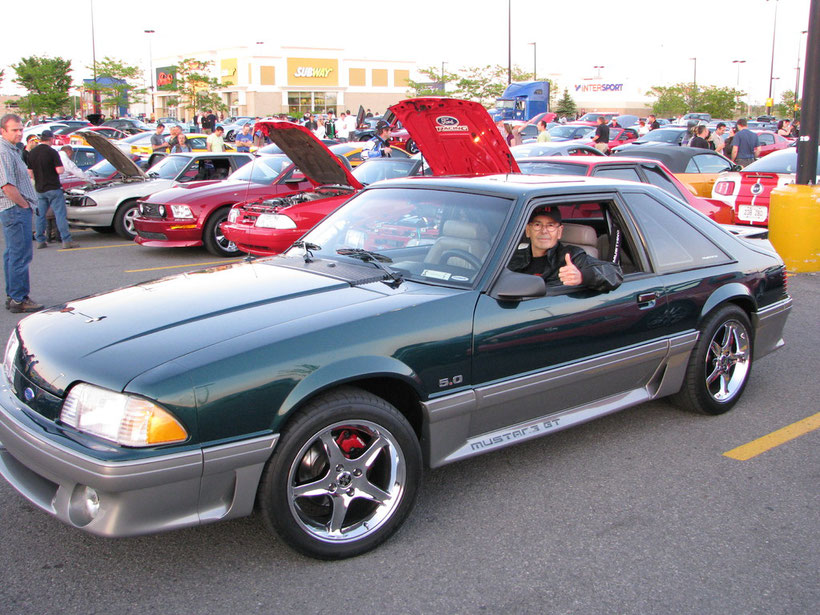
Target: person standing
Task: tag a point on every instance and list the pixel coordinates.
(699, 140)
(16, 202)
(158, 144)
(46, 167)
(716, 138)
(70, 169)
(342, 131)
(31, 142)
(652, 122)
(379, 145)
(601, 137)
(215, 142)
(244, 139)
(642, 128)
(350, 124)
(543, 135)
(745, 146)
(330, 125)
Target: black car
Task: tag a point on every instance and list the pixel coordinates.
(672, 135)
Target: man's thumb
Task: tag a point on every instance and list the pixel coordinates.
(569, 260)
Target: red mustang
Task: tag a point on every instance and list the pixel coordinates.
(457, 137)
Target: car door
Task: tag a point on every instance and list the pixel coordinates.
(573, 347)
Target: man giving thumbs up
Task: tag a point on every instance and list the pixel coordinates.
(557, 263)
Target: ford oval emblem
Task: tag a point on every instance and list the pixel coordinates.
(446, 120)
(757, 188)
(28, 393)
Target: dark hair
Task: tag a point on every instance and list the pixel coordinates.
(9, 117)
(720, 125)
(742, 122)
(160, 125)
(542, 123)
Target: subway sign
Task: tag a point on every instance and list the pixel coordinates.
(313, 71)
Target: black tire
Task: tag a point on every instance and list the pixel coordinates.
(213, 238)
(364, 463)
(720, 363)
(124, 219)
(411, 147)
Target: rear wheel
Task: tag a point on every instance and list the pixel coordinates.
(344, 475)
(720, 364)
(124, 219)
(213, 237)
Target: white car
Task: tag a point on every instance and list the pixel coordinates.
(113, 206)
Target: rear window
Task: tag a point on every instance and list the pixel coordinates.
(778, 162)
(551, 168)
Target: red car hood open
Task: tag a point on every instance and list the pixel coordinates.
(308, 153)
(456, 137)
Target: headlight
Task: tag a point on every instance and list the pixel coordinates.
(233, 215)
(278, 221)
(8, 358)
(181, 211)
(124, 419)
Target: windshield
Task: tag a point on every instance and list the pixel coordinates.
(662, 136)
(169, 167)
(570, 132)
(432, 236)
(102, 169)
(504, 104)
(784, 161)
(551, 168)
(262, 170)
(387, 168)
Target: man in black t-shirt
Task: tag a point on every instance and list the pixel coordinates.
(652, 122)
(46, 166)
(699, 140)
(601, 137)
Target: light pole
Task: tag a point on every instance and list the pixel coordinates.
(509, 42)
(443, 87)
(95, 93)
(598, 68)
(797, 81)
(772, 91)
(738, 62)
(534, 70)
(694, 84)
(151, 72)
(771, 70)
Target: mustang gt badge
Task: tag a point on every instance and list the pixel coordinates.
(448, 123)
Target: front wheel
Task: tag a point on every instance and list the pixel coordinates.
(344, 475)
(124, 220)
(214, 239)
(720, 364)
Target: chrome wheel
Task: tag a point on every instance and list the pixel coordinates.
(346, 481)
(727, 361)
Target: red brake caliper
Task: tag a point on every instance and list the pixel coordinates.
(349, 442)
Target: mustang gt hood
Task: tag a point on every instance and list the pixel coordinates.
(112, 154)
(456, 137)
(310, 155)
(117, 336)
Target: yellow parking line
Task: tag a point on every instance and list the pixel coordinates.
(776, 438)
(222, 262)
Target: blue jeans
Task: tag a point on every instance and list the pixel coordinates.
(56, 200)
(16, 223)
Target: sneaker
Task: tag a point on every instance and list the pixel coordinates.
(26, 305)
(67, 245)
(8, 301)
(41, 245)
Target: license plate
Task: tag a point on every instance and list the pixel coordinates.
(753, 213)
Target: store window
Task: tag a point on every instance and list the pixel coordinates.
(300, 103)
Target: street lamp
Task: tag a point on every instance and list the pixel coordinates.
(151, 71)
(738, 62)
(96, 94)
(695, 74)
(598, 68)
(772, 90)
(534, 71)
(771, 70)
(443, 86)
(797, 81)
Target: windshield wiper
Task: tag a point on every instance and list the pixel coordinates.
(308, 248)
(375, 258)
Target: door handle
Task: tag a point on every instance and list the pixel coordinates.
(647, 300)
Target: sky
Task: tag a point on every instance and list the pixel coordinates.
(650, 42)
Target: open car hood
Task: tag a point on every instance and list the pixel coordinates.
(456, 137)
(308, 153)
(112, 153)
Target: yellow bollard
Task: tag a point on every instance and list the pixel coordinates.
(794, 226)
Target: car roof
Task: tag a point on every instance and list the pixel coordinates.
(673, 156)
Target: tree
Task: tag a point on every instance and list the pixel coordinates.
(480, 83)
(117, 84)
(786, 107)
(47, 81)
(566, 107)
(721, 102)
(670, 100)
(436, 86)
(195, 87)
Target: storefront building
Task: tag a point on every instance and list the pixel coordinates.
(293, 80)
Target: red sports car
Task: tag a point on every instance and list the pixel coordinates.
(457, 137)
(747, 191)
(770, 142)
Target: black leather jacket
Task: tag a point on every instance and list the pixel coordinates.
(596, 275)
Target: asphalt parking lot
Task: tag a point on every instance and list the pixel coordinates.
(637, 512)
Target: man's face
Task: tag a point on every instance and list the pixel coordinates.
(160, 129)
(13, 132)
(720, 131)
(246, 129)
(543, 233)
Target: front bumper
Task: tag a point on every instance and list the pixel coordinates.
(167, 234)
(260, 241)
(135, 497)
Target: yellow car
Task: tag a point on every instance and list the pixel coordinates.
(140, 144)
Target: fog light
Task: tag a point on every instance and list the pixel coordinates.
(92, 502)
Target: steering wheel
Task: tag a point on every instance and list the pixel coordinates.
(474, 262)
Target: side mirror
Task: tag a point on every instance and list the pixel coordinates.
(735, 168)
(512, 286)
